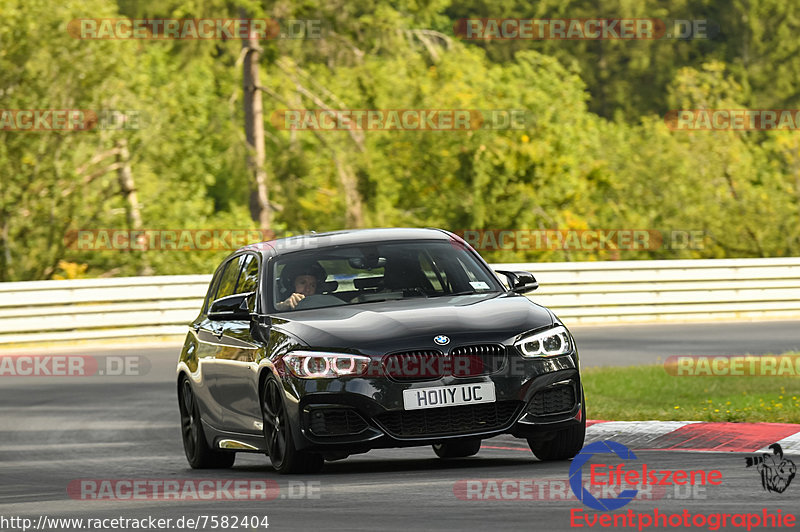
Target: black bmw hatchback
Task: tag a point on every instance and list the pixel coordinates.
(316, 347)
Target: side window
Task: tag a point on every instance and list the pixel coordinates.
(248, 278)
(212, 289)
(227, 284)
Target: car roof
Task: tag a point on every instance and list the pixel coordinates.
(351, 236)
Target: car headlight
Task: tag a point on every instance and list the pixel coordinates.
(555, 341)
(321, 365)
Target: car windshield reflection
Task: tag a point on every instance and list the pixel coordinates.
(370, 273)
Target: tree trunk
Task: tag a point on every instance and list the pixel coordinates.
(354, 216)
(127, 187)
(254, 132)
(129, 196)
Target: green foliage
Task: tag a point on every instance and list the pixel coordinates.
(593, 152)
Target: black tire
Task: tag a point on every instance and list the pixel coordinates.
(285, 458)
(198, 453)
(561, 444)
(457, 448)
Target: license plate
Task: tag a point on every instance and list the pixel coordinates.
(439, 396)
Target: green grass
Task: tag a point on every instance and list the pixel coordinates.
(649, 392)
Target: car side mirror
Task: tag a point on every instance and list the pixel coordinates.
(520, 282)
(230, 308)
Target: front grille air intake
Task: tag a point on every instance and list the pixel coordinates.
(335, 422)
(419, 365)
(449, 420)
(476, 360)
(556, 399)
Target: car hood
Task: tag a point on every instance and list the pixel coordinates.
(412, 323)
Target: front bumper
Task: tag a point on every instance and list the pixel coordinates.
(358, 414)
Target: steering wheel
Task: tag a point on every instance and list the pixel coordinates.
(318, 301)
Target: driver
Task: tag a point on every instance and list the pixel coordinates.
(300, 280)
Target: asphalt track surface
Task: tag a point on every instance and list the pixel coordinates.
(54, 431)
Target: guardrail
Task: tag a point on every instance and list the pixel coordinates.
(84, 309)
(579, 292)
(668, 290)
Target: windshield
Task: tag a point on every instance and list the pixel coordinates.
(365, 273)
